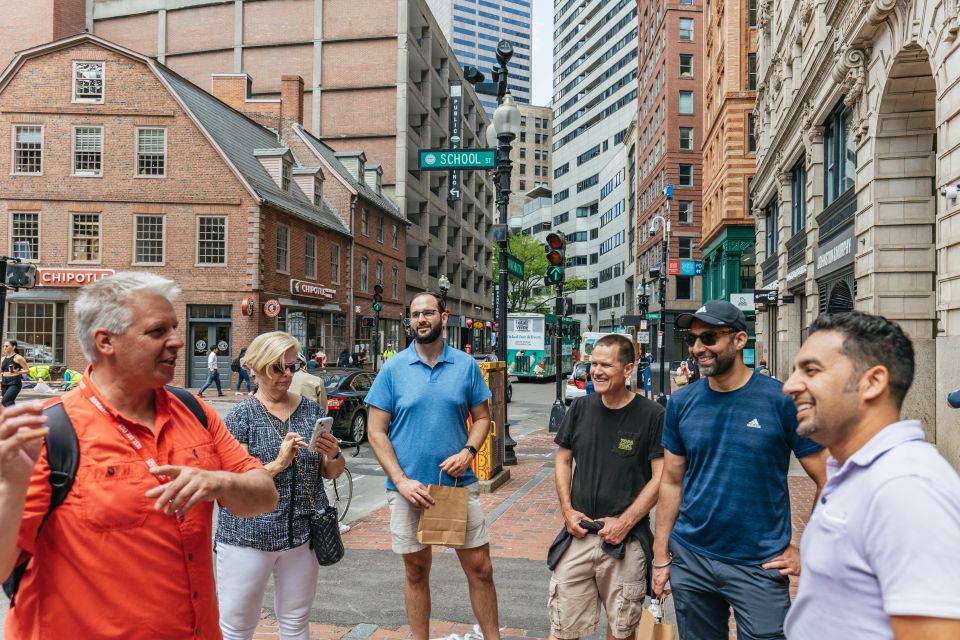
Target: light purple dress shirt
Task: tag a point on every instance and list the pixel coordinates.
(884, 540)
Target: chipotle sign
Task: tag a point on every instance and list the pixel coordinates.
(70, 277)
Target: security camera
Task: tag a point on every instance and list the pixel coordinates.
(951, 193)
(653, 232)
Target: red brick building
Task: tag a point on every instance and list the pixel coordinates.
(116, 163)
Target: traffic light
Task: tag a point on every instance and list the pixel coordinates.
(377, 297)
(556, 248)
(367, 322)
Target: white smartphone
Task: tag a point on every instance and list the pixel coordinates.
(323, 425)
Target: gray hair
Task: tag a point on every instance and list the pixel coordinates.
(103, 304)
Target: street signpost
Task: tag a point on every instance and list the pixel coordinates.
(765, 296)
(446, 159)
(456, 91)
(655, 315)
(643, 337)
(515, 267)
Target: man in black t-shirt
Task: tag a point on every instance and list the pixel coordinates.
(614, 437)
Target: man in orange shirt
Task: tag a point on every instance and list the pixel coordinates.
(128, 552)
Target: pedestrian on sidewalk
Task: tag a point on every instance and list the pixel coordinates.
(242, 370)
(418, 408)
(13, 366)
(127, 554)
(213, 372)
(614, 438)
(880, 554)
(275, 426)
(723, 517)
(308, 385)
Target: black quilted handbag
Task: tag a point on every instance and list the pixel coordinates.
(325, 536)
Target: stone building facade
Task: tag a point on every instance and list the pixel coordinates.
(858, 125)
(377, 77)
(531, 156)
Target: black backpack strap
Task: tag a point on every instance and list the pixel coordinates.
(63, 457)
(190, 402)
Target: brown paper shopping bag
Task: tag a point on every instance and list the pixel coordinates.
(650, 630)
(445, 522)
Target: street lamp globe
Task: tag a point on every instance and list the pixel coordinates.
(506, 119)
(444, 282)
(491, 135)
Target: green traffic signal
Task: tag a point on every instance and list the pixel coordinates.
(377, 306)
(554, 275)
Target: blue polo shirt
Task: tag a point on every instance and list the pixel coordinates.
(736, 504)
(428, 409)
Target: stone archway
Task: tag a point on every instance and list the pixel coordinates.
(897, 230)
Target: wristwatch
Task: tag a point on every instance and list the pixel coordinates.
(472, 450)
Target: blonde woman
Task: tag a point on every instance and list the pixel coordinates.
(275, 426)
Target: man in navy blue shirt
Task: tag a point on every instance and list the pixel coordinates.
(723, 517)
(418, 407)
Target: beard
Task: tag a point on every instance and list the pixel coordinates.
(807, 429)
(430, 337)
(722, 362)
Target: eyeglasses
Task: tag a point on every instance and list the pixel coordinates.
(429, 315)
(292, 367)
(707, 338)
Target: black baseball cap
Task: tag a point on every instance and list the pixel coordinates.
(718, 313)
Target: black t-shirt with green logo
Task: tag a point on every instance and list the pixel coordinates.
(612, 449)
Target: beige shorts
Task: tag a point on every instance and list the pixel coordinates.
(587, 577)
(405, 519)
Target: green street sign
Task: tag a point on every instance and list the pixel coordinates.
(653, 316)
(514, 267)
(554, 274)
(444, 159)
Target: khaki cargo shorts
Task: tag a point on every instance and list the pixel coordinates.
(405, 520)
(587, 577)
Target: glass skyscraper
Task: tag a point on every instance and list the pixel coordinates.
(473, 28)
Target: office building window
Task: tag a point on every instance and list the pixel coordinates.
(85, 237)
(686, 175)
(686, 65)
(686, 29)
(88, 82)
(798, 196)
(751, 13)
(751, 134)
(310, 256)
(28, 150)
(685, 211)
(839, 155)
(151, 152)
(752, 71)
(364, 274)
(148, 241)
(335, 263)
(686, 138)
(25, 235)
(686, 102)
(87, 151)
(211, 240)
(685, 248)
(684, 288)
(771, 216)
(395, 284)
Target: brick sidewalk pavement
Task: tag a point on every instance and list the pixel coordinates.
(526, 517)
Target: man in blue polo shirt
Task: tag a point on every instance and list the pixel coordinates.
(723, 517)
(418, 408)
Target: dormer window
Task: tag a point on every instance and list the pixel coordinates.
(285, 174)
(88, 82)
(317, 193)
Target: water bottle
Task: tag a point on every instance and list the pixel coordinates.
(656, 610)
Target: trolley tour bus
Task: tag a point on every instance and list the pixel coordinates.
(530, 344)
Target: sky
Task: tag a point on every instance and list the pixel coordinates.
(542, 80)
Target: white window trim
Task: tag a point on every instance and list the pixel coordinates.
(39, 234)
(163, 241)
(73, 215)
(339, 263)
(286, 268)
(316, 256)
(73, 151)
(13, 147)
(73, 82)
(136, 152)
(226, 242)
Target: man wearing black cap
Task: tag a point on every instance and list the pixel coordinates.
(723, 516)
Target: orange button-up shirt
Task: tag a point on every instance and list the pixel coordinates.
(106, 564)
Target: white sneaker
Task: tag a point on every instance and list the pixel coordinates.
(344, 528)
(237, 393)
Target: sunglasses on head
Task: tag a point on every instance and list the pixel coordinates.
(292, 367)
(707, 338)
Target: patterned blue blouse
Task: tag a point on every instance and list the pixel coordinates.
(289, 525)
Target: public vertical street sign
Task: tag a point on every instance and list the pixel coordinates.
(456, 91)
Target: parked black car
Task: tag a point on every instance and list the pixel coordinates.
(346, 390)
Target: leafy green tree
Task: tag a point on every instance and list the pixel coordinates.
(530, 293)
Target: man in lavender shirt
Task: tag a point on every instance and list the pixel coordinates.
(880, 558)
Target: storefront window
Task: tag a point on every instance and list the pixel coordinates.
(39, 328)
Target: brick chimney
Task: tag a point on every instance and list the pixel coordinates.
(291, 100)
(234, 90)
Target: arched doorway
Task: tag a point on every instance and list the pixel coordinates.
(899, 243)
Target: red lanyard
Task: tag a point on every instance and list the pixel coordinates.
(122, 428)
